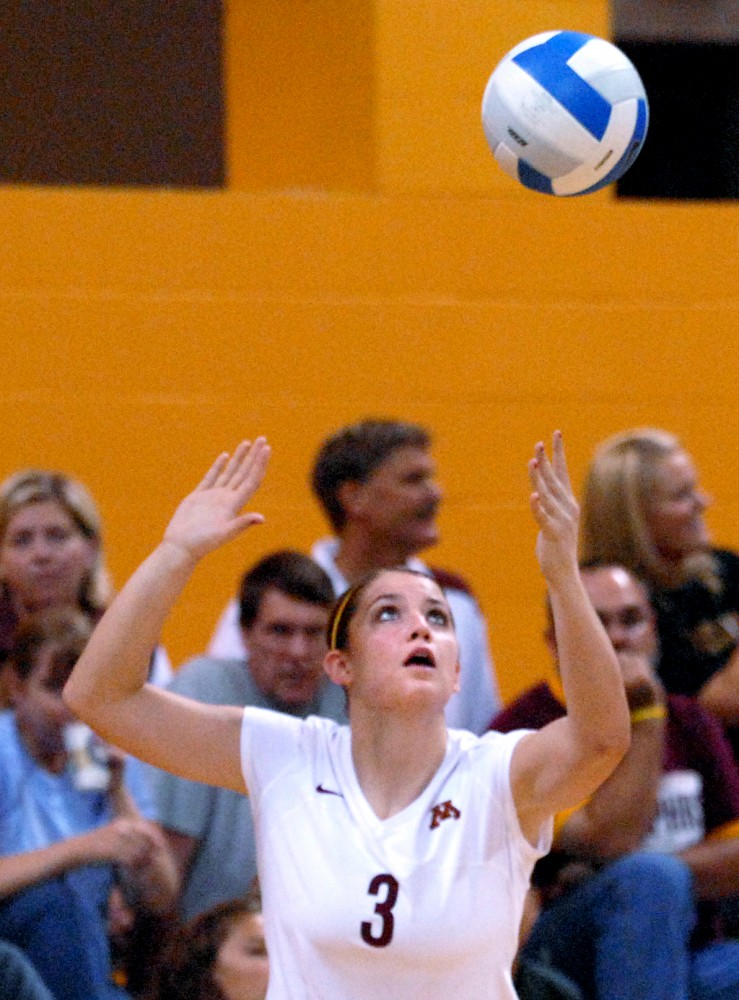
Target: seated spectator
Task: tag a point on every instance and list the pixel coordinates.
(51, 556)
(642, 508)
(219, 955)
(376, 482)
(284, 605)
(63, 842)
(619, 893)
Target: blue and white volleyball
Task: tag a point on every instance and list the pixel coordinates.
(565, 113)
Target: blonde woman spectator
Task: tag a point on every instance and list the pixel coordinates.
(52, 556)
(642, 507)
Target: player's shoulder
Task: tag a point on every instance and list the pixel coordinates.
(277, 742)
(312, 727)
(492, 743)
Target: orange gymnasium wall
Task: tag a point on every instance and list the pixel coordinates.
(368, 257)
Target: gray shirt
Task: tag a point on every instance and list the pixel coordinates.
(224, 863)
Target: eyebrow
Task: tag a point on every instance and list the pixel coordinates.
(384, 597)
(396, 597)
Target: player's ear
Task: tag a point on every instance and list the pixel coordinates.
(337, 666)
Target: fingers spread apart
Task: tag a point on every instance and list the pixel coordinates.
(242, 470)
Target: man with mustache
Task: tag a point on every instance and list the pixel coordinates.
(376, 482)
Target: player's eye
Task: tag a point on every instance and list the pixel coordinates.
(387, 613)
(438, 616)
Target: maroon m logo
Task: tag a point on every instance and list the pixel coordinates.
(442, 811)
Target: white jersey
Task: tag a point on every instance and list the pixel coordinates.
(425, 905)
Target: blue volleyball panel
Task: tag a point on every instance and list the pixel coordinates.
(631, 152)
(531, 178)
(547, 64)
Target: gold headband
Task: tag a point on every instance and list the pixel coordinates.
(339, 615)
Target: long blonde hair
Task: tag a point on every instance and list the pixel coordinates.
(37, 486)
(614, 514)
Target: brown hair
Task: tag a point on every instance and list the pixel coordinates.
(289, 572)
(186, 964)
(353, 453)
(66, 631)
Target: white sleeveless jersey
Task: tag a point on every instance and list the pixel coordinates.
(425, 905)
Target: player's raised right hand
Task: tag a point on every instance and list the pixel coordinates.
(211, 515)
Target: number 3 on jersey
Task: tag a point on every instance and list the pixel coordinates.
(383, 909)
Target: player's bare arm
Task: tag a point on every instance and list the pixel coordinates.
(108, 687)
(564, 762)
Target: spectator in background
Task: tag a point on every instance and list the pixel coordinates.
(618, 912)
(642, 508)
(62, 846)
(376, 482)
(219, 955)
(284, 605)
(51, 556)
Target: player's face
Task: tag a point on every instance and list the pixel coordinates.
(286, 645)
(402, 643)
(399, 502)
(676, 507)
(44, 557)
(622, 604)
(241, 968)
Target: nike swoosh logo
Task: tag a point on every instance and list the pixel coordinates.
(328, 791)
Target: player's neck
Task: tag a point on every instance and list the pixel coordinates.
(395, 760)
(359, 554)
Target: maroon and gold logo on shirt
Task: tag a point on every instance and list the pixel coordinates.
(442, 811)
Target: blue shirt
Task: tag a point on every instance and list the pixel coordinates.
(38, 808)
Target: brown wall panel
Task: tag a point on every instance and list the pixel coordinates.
(125, 92)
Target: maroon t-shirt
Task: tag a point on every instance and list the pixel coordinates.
(694, 740)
